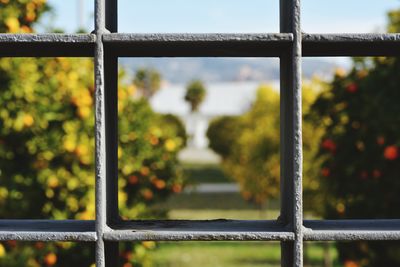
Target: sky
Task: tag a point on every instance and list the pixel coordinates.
(226, 16)
(318, 16)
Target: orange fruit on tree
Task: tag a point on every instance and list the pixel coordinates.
(50, 259)
(391, 152)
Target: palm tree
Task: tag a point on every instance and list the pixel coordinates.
(195, 94)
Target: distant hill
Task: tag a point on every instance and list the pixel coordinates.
(182, 70)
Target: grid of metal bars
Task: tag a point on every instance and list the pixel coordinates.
(106, 45)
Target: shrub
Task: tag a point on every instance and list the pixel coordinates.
(47, 150)
(250, 147)
(222, 133)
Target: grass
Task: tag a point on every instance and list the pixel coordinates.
(223, 214)
(211, 201)
(205, 173)
(197, 206)
(232, 254)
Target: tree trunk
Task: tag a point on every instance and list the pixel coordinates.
(327, 255)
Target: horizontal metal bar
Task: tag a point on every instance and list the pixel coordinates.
(197, 45)
(245, 45)
(347, 230)
(47, 38)
(181, 230)
(47, 230)
(47, 45)
(200, 37)
(351, 45)
(213, 230)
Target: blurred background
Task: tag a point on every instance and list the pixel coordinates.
(199, 137)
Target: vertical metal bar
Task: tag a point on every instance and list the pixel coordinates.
(100, 132)
(111, 120)
(291, 135)
(111, 117)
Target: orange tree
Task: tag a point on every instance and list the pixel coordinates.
(47, 149)
(360, 151)
(249, 146)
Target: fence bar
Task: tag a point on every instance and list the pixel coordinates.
(374, 44)
(348, 230)
(111, 120)
(210, 230)
(198, 45)
(106, 45)
(100, 133)
(47, 45)
(291, 136)
(47, 230)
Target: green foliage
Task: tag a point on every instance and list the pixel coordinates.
(47, 144)
(148, 157)
(360, 151)
(176, 125)
(47, 150)
(394, 21)
(222, 133)
(249, 145)
(147, 81)
(195, 94)
(19, 16)
(254, 158)
(46, 129)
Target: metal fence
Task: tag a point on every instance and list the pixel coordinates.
(106, 45)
